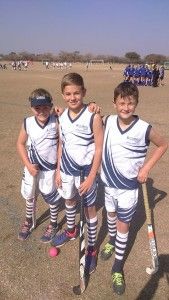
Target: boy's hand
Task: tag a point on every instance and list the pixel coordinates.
(33, 169)
(58, 110)
(86, 185)
(94, 108)
(142, 175)
(58, 180)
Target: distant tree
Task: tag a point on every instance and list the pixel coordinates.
(77, 57)
(63, 56)
(11, 56)
(155, 58)
(26, 55)
(69, 56)
(133, 57)
(87, 57)
(48, 56)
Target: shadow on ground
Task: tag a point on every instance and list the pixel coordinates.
(151, 286)
(154, 196)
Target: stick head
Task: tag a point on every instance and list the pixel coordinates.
(151, 270)
(77, 290)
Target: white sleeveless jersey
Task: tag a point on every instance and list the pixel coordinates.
(124, 153)
(77, 141)
(42, 142)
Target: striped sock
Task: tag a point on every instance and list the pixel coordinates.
(120, 246)
(29, 210)
(112, 228)
(70, 217)
(54, 209)
(92, 232)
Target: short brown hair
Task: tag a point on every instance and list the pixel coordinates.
(72, 79)
(125, 89)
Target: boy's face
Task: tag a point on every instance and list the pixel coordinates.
(73, 96)
(41, 112)
(125, 107)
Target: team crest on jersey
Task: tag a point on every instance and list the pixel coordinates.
(81, 127)
(133, 140)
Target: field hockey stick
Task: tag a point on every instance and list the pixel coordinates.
(151, 236)
(33, 214)
(78, 290)
(34, 204)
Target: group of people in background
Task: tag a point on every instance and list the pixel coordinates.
(20, 65)
(57, 65)
(144, 75)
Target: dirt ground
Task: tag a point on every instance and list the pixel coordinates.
(26, 270)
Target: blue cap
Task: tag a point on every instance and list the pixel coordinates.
(41, 100)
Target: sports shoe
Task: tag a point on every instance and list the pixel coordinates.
(107, 251)
(64, 237)
(49, 233)
(118, 283)
(25, 232)
(90, 261)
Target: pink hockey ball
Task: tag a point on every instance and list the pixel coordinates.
(53, 251)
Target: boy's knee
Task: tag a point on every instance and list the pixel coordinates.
(90, 212)
(30, 200)
(71, 202)
(123, 227)
(111, 214)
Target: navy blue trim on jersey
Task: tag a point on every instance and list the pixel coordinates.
(91, 122)
(105, 120)
(45, 124)
(114, 178)
(147, 139)
(128, 128)
(78, 116)
(91, 141)
(24, 123)
(43, 164)
(137, 151)
(70, 167)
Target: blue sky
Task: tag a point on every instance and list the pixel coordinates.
(110, 27)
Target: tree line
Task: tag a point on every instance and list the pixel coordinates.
(76, 56)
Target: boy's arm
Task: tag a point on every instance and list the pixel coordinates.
(161, 147)
(21, 143)
(98, 139)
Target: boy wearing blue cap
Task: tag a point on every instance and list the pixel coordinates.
(37, 146)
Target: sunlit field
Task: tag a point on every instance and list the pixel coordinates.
(26, 270)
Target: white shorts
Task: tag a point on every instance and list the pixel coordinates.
(70, 185)
(123, 202)
(43, 183)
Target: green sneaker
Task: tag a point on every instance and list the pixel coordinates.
(118, 283)
(107, 251)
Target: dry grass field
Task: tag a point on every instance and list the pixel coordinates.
(26, 270)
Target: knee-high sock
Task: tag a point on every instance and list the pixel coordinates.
(120, 247)
(29, 210)
(92, 232)
(54, 209)
(70, 217)
(112, 228)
